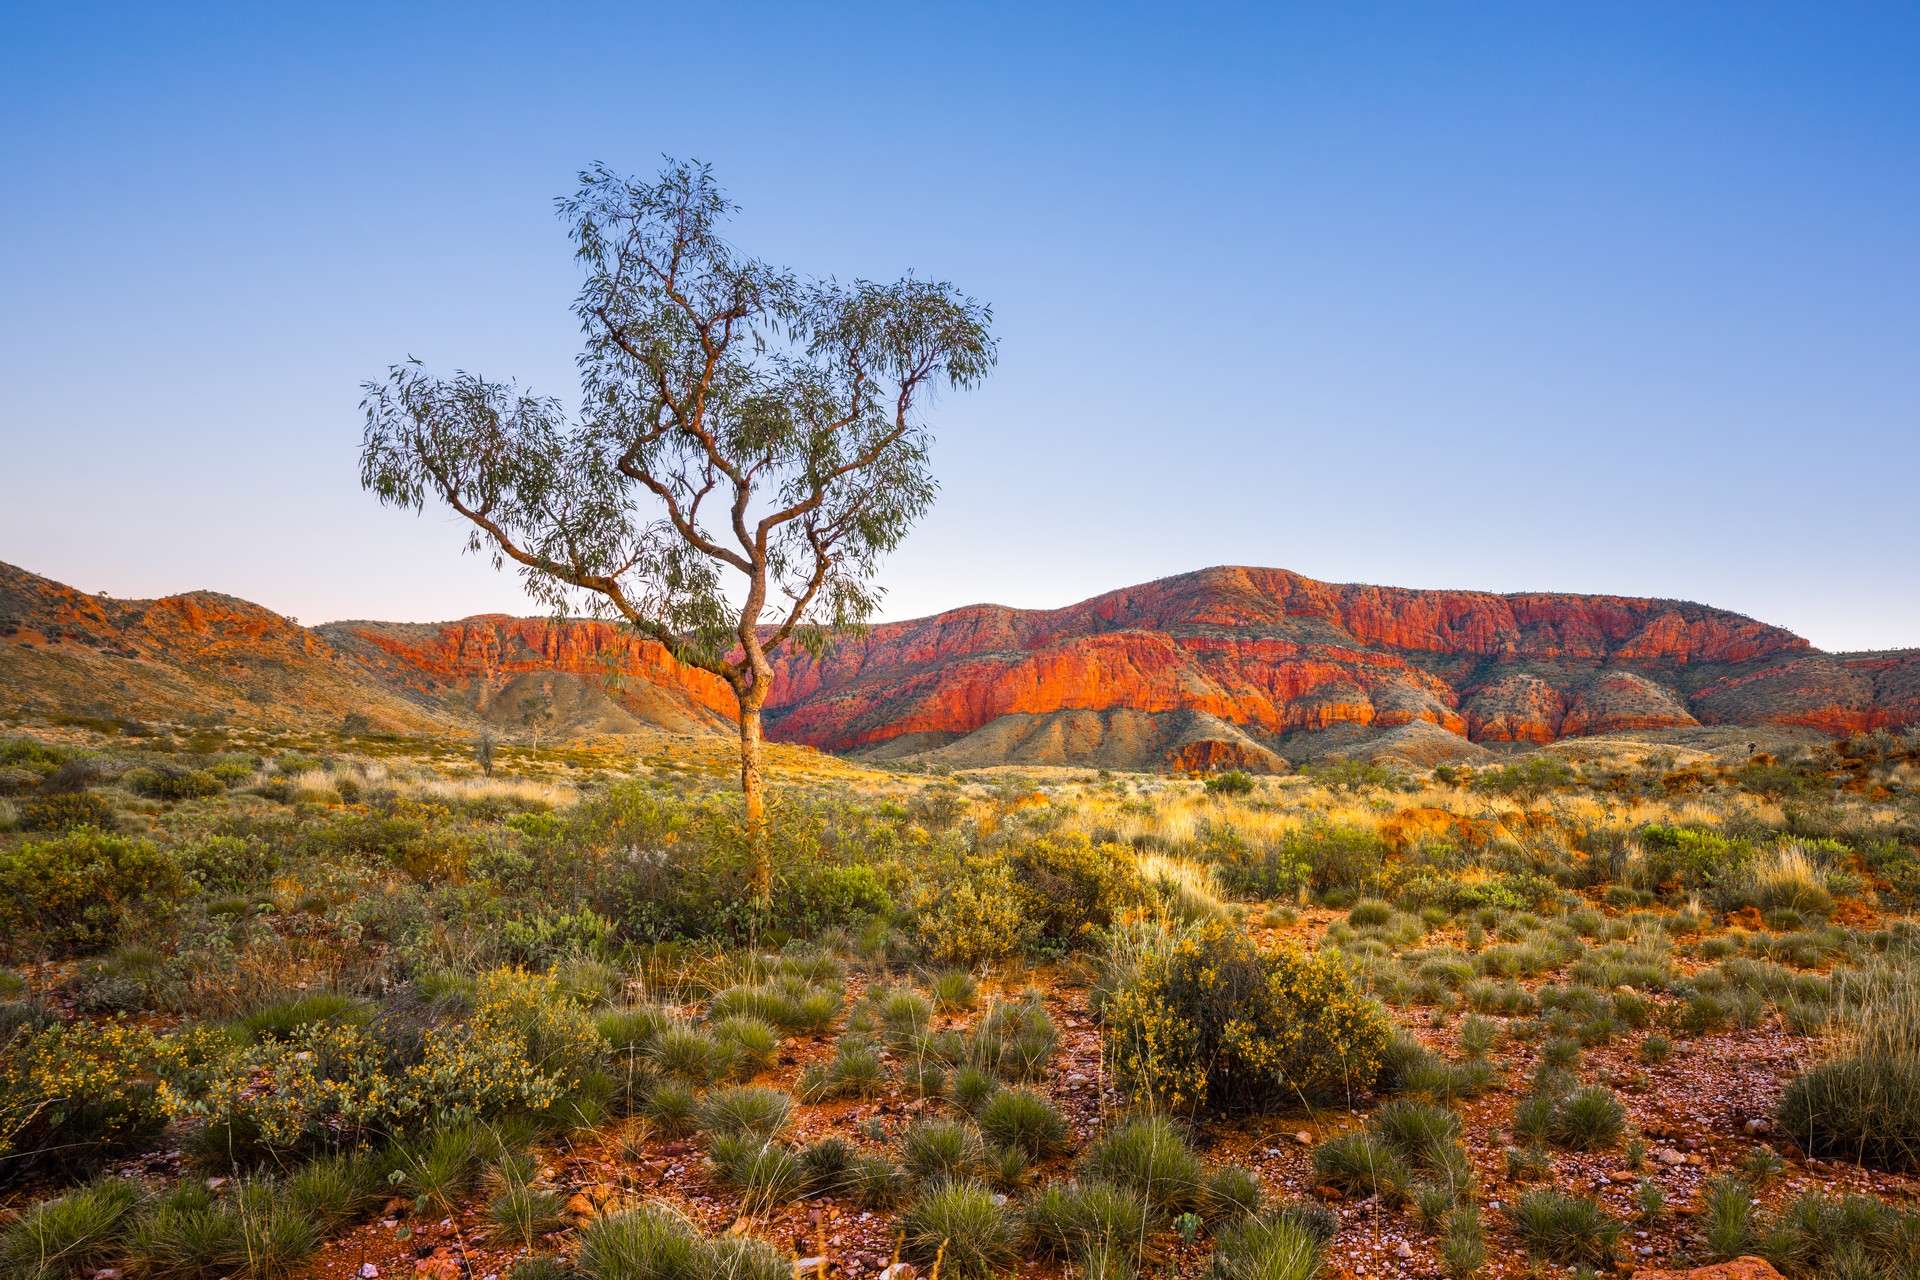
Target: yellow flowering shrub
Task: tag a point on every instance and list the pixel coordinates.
(975, 920)
(72, 1093)
(525, 1048)
(1206, 1020)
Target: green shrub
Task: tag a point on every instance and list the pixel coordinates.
(1232, 782)
(752, 1044)
(811, 897)
(648, 1243)
(1149, 1155)
(828, 1165)
(1204, 1019)
(1070, 888)
(673, 1108)
(975, 1230)
(1370, 914)
(337, 1190)
(1865, 1105)
(1566, 1229)
(71, 812)
(186, 1235)
(71, 1236)
(81, 891)
(973, 1087)
(173, 783)
(974, 920)
(1589, 1119)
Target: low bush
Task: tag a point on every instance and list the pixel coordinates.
(71, 812)
(1232, 1192)
(81, 891)
(1362, 1164)
(1204, 1019)
(656, 1243)
(1070, 888)
(1865, 1104)
(73, 1094)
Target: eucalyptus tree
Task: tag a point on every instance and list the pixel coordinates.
(750, 442)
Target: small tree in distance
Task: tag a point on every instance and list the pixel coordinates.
(736, 417)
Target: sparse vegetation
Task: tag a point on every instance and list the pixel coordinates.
(441, 992)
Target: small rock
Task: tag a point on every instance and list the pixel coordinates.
(1695, 1158)
(1738, 1269)
(1304, 1138)
(1403, 1250)
(1669, 1157)
(1329, 1194)
(214, 1184)
(899, 1271)
(1759, 1126)
(1620, 1177)
(369, 1272)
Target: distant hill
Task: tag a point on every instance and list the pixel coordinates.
(1225, 666)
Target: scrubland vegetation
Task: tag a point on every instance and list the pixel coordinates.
(295, 1007)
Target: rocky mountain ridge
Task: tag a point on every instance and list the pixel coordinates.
(1224, 666)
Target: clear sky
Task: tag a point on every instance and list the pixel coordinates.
(1591, 297)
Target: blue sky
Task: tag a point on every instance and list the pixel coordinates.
(1610, 297)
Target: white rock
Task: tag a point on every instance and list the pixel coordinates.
(369, 1272)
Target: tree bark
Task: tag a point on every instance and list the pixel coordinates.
(753, 788)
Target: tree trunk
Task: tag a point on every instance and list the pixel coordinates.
(753, 788)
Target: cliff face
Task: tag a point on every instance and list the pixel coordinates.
(1275, 653)
(1202, 670)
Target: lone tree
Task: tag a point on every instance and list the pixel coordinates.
(735, 416)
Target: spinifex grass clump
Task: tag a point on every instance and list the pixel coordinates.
(1865, 1103)
(964, 1225)
(1151, 1156)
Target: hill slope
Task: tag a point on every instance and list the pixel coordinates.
(1225, 666)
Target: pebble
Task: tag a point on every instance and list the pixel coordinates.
(1304, 1138)
(1403, 1250)
(369, 1272)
